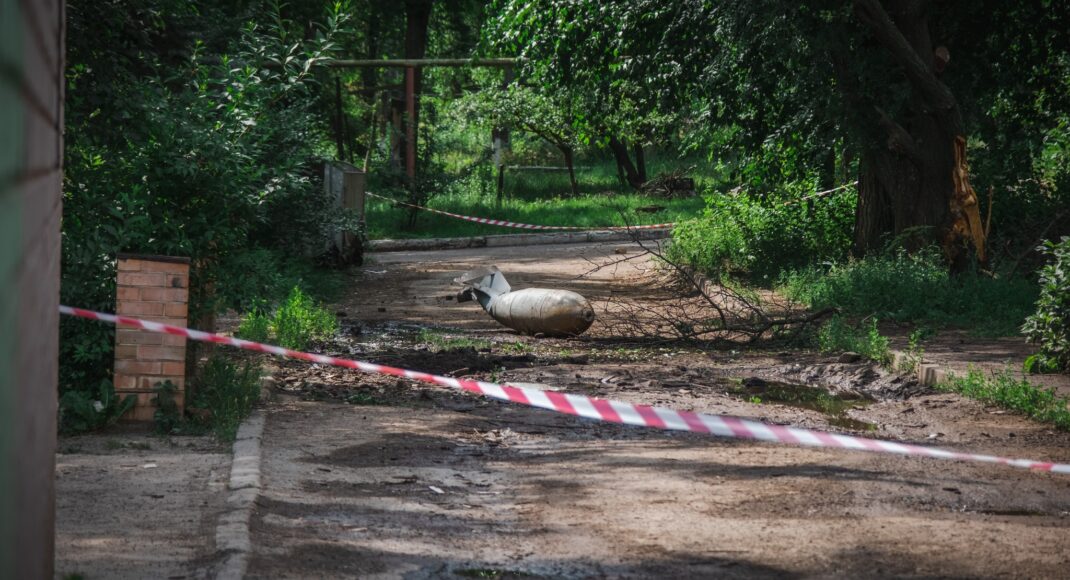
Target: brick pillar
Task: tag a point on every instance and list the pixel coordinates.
(154, 288)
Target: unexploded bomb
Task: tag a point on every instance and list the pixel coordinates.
(535, 311)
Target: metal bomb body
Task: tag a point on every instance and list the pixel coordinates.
(535, 311)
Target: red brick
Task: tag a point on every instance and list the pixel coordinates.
(130, 265)
(126, 336)
(128, 293)
(126, 351)
(172, 339)
(180, 295)
(136, 367)
(166, 267)
(124, 382)
(148, 384)
(177, 369)
(161, 353)
(176, 310)
(177, 281)
(141, 279)
(131, 308)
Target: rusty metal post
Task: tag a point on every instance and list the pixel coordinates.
(410, 125)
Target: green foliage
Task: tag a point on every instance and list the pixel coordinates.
(1017, 394)
(914, 288)
(299, 320)
(166, 418)
(839, 335)
(761, 236)
(228, 391)
(1049, 326)
(441, 340)
(190, 130)
(81, 411)
(255, 326)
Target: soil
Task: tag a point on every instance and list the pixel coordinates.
(374, 477)
(130, 504)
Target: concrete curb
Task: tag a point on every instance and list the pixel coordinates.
(232, 532)
(535, 239)
(927, 374)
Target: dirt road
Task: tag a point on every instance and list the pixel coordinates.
(378, 478)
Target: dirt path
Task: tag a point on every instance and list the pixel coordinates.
(132, 505)
(373, 477)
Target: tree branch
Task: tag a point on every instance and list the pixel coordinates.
(899, 139)
(873, 15)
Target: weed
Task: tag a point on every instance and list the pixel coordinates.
(838, 335)
(363, 398)
(517, 347)
(755, 400)
(914, 288)
(1017, 394)
(228, 392)
(80, 411)
(915, 351)
(300, 320)
(166, 418)
(255, 326)
(442, 341)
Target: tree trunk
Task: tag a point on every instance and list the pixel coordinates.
(417, 18)
(640, 161)
(917, 182)
(567, 153)
(624, 163)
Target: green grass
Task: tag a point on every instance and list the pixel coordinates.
(540, 198)
(441, 340)
(839, 335)
(1016, 394)
(229, 391)
(915, 289)
(386, 220)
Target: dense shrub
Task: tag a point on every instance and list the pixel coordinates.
(1049, 326)
(228, 392)
(299, 320)
(914, 288)
(189, 131)
(760, 237)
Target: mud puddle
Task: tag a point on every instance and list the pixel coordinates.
(833, 406)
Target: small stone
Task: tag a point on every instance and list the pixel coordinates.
(849, 358)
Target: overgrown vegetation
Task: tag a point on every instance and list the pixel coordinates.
(227, 391)
(916, 288)
(839, 335)
(82, 410)
(297, 322)
(1018, 394)
(1049, 326)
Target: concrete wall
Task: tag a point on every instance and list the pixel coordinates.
(31, 158)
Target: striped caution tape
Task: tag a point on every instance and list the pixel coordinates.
(592, 408)
(508, 224)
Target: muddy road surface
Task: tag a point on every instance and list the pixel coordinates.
(372, 477)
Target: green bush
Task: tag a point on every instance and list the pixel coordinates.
(914, 288)
(762, 236)
(81, 411)
(839, 335)
(255, 326)
(299, 320)
(1049, 326)
(228, 392)
(1013, 393)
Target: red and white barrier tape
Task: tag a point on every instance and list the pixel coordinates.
(591, 408)
(508, 224)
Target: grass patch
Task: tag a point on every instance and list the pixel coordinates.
(386, 220)
(839, 335)
(915, 288)
(296, 322)
(1006, 390)
(440, 340)
(227, 391)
